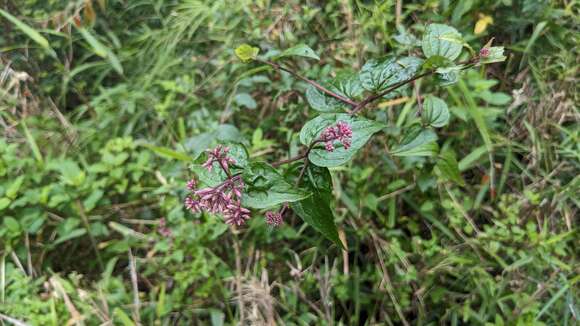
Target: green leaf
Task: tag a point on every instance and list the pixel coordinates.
(101, 50)
(345, 84)
(300, 50)
(315, 210)
(417, 142)
(4, 202)
(29, 31)
(267, 188)
(495, 54)
(167, 152)
(70, 235)
(442, 40)
(13, 189)
(435, 112)
(32, 143)
(362, 130)
(246, 52)
(376, 76)
(448, 167)
(245, 100)
(11, 224)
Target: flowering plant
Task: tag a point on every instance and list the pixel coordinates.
(233, 186)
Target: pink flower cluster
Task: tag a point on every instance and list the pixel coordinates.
(273, 218)
(225, 198)
(341, 132)
(484, 52)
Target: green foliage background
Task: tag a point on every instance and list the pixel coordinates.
(104, 103)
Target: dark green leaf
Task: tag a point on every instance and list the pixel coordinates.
(265, 187)
(448, 168)
(346, 84)
(315, 210)
(362, 130)
(217, 175)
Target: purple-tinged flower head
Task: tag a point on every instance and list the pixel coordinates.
(484, 52)
(225, 198)
(273, 218)
(219, 155)
(191, 185)
(341, 132)
(163, 229)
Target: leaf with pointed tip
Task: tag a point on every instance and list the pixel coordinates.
(376, 76)
(435, 112)
(315, 210)
(417, 141)
(448, 167)
(362, 130)
(442, 40)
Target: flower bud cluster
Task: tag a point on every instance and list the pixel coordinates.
(225, 198)
(341, 132)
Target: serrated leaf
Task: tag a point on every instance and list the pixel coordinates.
(345, 84)
(435, 112)
(265, 187)
(315, 210)
(417, 142)
(377, 76)
(448, 167)
(442, 40)
(362, 130)
(301, 50)
(246, 52)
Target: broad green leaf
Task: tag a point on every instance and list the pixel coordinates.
(13, 189)
(345, 84)
(315, 210)
(70, 235)
(448, 167)
(29, 31)
(494, 54)
(437, 61)
(362, 130)
(245, 100)
(11, 224)
(301, 50)
(442, 40)
(4, 202)
(417, 142)
(376, 76)
(246, 52)
(435, 112)
(265, 187)
(447, 78)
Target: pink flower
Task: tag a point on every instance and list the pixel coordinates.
(273, 218)
(219, 155)
(225, 198)
(163, 229)
(484, 52)
(341, 132)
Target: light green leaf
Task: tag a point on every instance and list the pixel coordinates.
(362, 130)
(376, 76)
(11, 224)
(246, 52)
(167, 152)
(13, 189)
(301, 50)
(4, 202)
(245, 100)
(315, 210)
(442, 40)
(435, 112)
(345, 84)
(265, 187)
(448, 167)
(417, 142)
(495, 54)
(70, 235)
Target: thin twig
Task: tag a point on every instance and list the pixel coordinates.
(13, 321)
(136, 302)
(311, 82)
